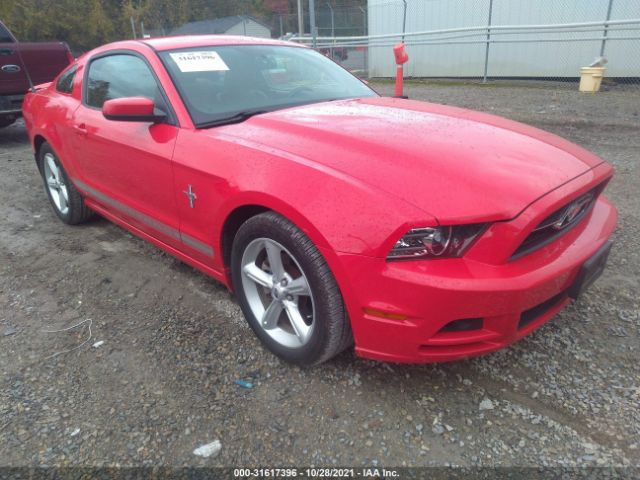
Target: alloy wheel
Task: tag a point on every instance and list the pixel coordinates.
(55, 184)
(278, 292)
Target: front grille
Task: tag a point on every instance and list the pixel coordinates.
(558, 223)
(11, 103)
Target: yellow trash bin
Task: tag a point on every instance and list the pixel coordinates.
(591, 78)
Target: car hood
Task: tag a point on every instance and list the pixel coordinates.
(455, 164)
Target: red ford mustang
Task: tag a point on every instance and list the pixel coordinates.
(420, 232)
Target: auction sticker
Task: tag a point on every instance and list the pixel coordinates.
(199, 61)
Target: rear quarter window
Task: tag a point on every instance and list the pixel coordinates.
(65, 82)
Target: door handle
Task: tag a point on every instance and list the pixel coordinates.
(80, 129)
(5, 52)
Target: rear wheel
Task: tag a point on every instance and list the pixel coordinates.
(287, 292)
(66, 201)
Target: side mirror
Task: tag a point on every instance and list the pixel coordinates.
(132, 109)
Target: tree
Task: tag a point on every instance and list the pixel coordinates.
(85, 24)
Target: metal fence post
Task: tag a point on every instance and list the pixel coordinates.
(404, 19)
(486, 50)
(606, 28)
(365, 32)
(333, 27)
(312, 21)
(133, 27)
(300, 19)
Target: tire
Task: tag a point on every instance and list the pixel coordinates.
(273, 303)
(66, 201)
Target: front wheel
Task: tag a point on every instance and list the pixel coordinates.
(287, 292)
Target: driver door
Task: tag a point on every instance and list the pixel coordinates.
(126, 166)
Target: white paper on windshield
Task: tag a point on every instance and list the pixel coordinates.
(199, 61)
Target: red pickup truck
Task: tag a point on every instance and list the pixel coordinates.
(23, 65)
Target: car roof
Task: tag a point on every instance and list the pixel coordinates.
(189, 41)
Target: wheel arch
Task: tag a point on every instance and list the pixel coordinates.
(38, 141)
(230, 227)
(254, 204)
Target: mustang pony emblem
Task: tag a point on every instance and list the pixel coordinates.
(191, 195)
(572, 212)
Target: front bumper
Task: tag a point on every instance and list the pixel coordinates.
(11, 106)
(398, 309)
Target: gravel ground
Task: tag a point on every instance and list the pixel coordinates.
(162, 383)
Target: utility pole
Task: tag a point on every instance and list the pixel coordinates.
(300, 19)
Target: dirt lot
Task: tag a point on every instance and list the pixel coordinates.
(163, 382)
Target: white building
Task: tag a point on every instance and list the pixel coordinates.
(533, 54)
(235, 25)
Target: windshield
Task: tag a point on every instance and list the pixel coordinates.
(231, 82)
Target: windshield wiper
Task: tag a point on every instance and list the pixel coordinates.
(235, 118)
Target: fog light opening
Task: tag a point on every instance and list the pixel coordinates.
(463, 325)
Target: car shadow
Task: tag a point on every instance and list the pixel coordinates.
(13, 136)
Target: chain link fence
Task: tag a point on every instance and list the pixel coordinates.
(483, 39)
(474, 40)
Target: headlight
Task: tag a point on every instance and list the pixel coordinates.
(436, 242)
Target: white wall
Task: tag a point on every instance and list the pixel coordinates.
(249, 28)
(536, 59)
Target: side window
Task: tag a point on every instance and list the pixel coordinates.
(65, 82)
(5, 36)
(119, 76)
